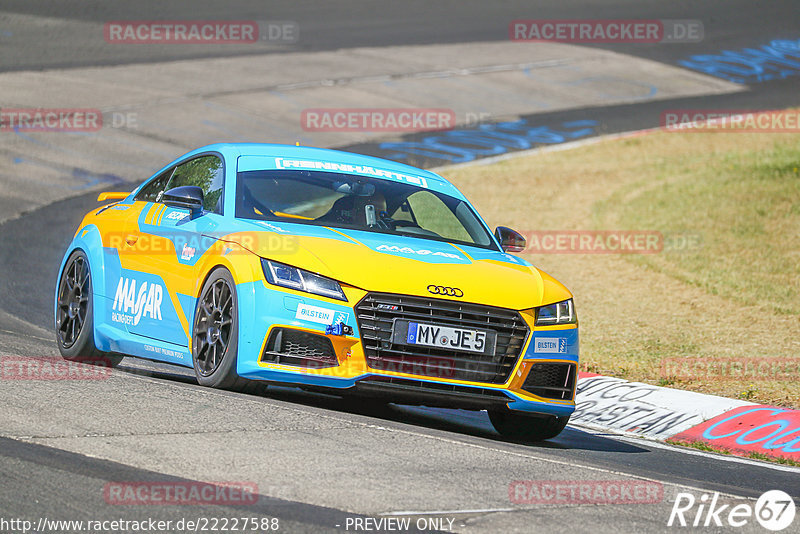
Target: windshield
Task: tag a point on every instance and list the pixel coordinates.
(357, 202)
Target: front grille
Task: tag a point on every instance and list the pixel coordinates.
(376, 313)
(295, 347)
(551, 380)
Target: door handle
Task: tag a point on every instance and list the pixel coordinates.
(131, 239)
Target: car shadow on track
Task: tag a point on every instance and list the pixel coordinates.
(465, 422)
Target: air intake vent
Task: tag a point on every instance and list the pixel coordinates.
(551, 380)
(295, 347)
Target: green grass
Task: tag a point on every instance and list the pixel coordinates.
(744, 209)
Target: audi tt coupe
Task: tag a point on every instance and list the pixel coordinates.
(324, 270)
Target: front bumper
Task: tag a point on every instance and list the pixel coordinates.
(533, 370)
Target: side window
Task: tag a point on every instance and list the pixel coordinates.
(152, 191)
(205, 172)
(433, 215)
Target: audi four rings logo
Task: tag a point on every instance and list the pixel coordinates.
(447, 291)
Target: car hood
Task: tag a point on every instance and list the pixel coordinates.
(405, 265)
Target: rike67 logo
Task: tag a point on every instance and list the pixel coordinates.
(774, 510)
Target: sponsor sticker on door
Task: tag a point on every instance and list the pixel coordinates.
(131, 305)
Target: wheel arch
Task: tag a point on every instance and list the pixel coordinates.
(88, 240)
(244, 267)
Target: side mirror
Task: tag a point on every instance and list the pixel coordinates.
(510, 240)
(189, 197)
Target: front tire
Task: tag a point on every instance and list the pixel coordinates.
(75, 314)
(526, 427)
(215, 336)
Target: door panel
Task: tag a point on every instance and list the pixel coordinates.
(160, 249)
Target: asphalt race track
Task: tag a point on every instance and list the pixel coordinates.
(320, 463)
(361, 23)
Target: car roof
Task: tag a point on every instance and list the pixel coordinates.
(230, 150)
(233, 151)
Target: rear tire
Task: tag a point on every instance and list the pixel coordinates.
(74, 319)
(526, 427)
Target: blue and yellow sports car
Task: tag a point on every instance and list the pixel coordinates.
(321, 269)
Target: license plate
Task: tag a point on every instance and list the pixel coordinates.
(445, 337)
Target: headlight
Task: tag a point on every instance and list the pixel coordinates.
(559, 313)
(283, 275)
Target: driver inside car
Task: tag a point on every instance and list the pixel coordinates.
(370, 211)
(360, 211)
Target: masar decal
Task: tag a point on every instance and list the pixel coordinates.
(420, 252)
(131, 305)
(281, 163)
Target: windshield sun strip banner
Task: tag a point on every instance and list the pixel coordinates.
(251, 163)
